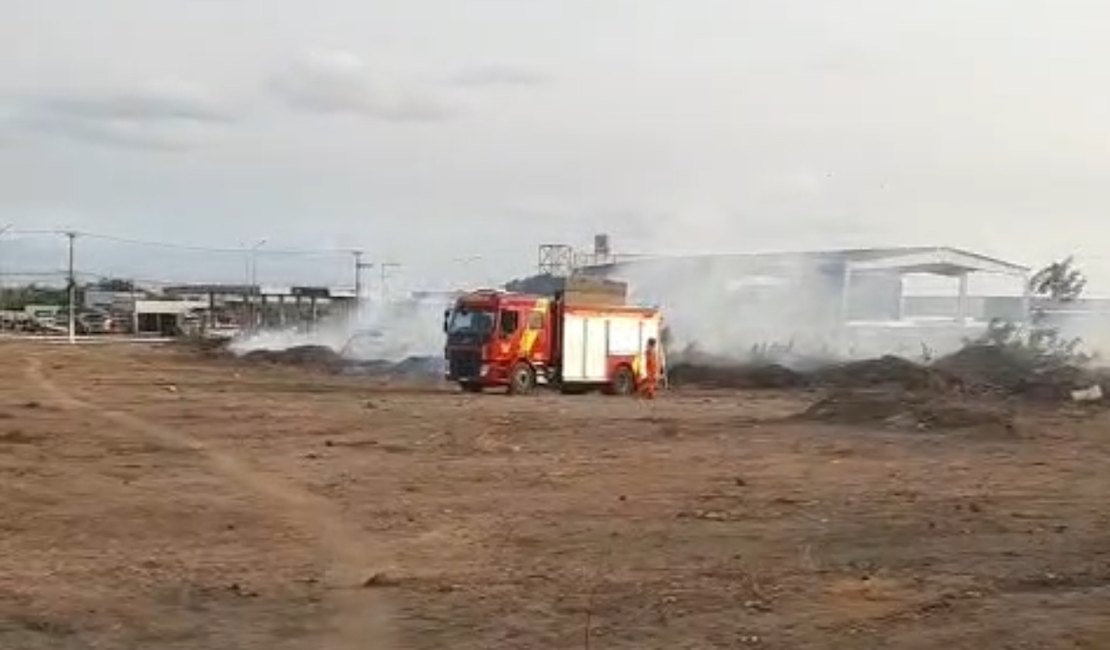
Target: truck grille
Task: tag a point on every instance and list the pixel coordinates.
(464, 364)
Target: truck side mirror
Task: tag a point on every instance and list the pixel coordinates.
(446, 318)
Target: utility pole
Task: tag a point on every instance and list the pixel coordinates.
(2, 231)
(358, 275)
(384, 267)
(254, 261)
(359, 265)
(252, 281)
(72, 236)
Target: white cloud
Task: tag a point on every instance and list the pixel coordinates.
(499, 75)
(734, 126)
(339, 82)
(165, 114)
(128, 134)
(7, 132)
(167, 99)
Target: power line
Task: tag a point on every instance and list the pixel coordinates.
(224, 250)
(215, 249)
(28, 274)
(14, 231)
(185, 247)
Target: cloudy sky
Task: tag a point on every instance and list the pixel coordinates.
(454, 137)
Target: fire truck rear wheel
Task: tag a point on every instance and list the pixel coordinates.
(522, 379)
(624, 382)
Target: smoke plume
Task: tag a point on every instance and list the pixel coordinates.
(387, 331)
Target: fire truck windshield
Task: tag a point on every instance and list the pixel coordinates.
(471, 321)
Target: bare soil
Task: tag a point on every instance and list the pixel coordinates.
(153, 498)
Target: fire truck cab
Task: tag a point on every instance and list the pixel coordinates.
(518, 341)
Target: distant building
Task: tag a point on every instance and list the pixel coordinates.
(164, 317)
(105, 300)
(236, 306)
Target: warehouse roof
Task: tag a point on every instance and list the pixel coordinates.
(241, 289)
(939, 260)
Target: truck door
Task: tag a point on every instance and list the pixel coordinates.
(508, 344)
(536, 343)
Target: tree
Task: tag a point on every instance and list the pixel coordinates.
(1061, 281)
(114, 284)
(31, 294)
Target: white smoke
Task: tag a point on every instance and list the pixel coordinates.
(387, 331)
(788, 310)
(1088, 322)
(711, 308)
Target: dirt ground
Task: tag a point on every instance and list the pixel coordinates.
(150, 498)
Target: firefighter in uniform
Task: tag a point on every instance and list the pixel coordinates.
(651, 370)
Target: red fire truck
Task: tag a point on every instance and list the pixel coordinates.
(519, 341)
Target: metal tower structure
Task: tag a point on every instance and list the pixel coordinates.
(556, 260)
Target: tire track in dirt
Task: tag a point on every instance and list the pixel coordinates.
(362, 621)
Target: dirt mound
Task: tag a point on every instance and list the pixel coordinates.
(989, 366)
(1056, 384)
(884, 371)
(209, 348)
(904, 410)
(317, 356)
(736, 376)
(975, 369)
(887, 371)
(1016, 370)
(323, 357)
(421, 367)
(410, 368)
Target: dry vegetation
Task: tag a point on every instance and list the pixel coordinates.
(154, 499)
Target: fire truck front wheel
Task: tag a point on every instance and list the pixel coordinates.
(522, 379)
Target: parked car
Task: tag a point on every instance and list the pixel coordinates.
(94, 322)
